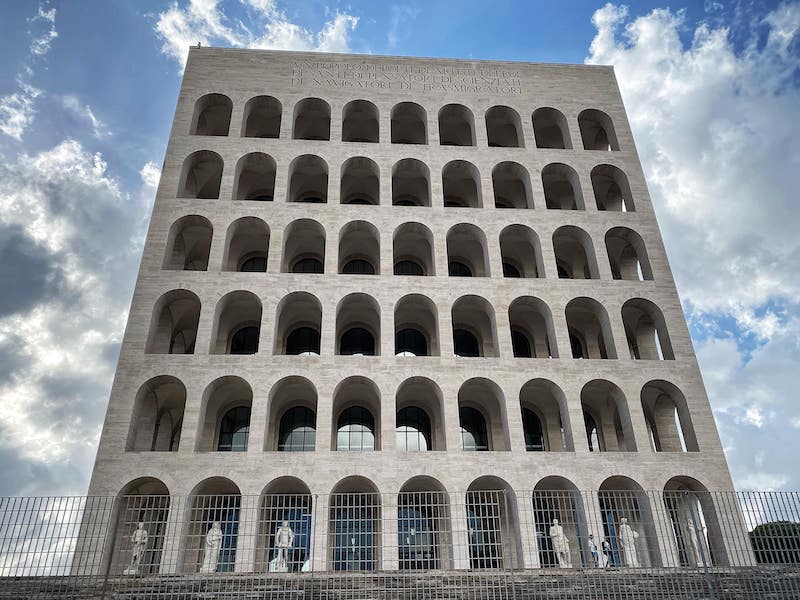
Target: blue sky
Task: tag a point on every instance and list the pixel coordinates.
(87, 92)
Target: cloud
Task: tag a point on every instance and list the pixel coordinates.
(402, 14)
(86, 114)
(205, 22)
(150, 174)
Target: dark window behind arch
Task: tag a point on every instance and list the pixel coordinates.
(510, 270)
(298, 430)
(465, 343)
(358, 266)
(591, 433)
(254, 264)
(355, 430)
(411, 340)
(408, 267)
(302, 340)
(245, 340)
(234, 429)
(357, 340)
(413, 432)
(474, 437)
(308, 265)
(532, 426)
(458, 269)
(520, 344)
(576, 346)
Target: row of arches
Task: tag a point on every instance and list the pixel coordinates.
(247, 247)
(311, 120)
(543, 411)
(360, 182)
(298, 327)
(423, 526)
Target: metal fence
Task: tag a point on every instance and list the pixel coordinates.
(415, 544)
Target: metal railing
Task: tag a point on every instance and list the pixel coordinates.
(421, 544)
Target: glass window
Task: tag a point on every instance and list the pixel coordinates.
(484, 530)
(520, 344)
(357, 341)
(234, 430)
(413, 433)
(308, 265)
(298, 430)
(358, 267)
(302, 340)
(408, 267)
(591, 433)
(458, 269)
(474, 437)
(245, 340)
(510, 270)
(416, 530)
(254, 264)
(532, 426)
(465, 343)
(355, 430)
(576, 346)
(411, 341)
(354, 518)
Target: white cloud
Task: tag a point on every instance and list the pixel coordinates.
(85, 113)
(402, 14)
(150, 174)
(40, 45)
(205, 22)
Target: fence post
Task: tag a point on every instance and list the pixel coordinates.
(509, 534)
(115, 513)
(700, 544)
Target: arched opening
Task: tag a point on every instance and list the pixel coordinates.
(416, 326)
(562, 188)
(225, 416)
(360, 181)
(511, 183)
(575, 257)
(298, 325)
(646, 330)
(420, 416)
(356, 416)
(532, 332)
(521, 252)
(560, 524)
(358, 326)
(696, 530)
(157, 417)
(467, 254)
(669, 422)
(411, 183)
(423, 525)
(481, 410)
(359, 249)
(628, 523)
(303, 247)
(474, 332)
(142, 504)
(461, 185)
(201, 175)
(262, 117)
(212, 529)
(360, 122)
(504, 128)
(173, 327)
(589, 329)
(354, 526)
(627, 255)
(413, 250)
(409, 124)
(456, 126)
(286, 502)
(292, 424)
(550, 129)
(308, 180)
(255, 178)
(492, 524)
(544, 400)
(188, 244)
(212, 115)
(312, 120)
(606, 416)
(237, 324)
(246, 246)
(611, 189)
(597, 130)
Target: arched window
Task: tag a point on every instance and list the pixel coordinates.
(245, 341)
(474, 437)
(234, 429)
(254, 264)
(358, 267)
(413, 430)
(458, 269)
(308, 265)
(408, 267)
(303, 340)
(591, 433)
(511, 271)
(298, 430)
(576, 346)
(262, 117)
(465, 343)
(520, 344)
(357, 340)
(410, 341)
(355, 430)
(532, 426)
(212, 115)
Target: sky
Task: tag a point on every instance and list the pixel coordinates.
(87, 95)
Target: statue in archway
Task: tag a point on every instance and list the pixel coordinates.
(627, 543)
(139, 541)
(284, 538)
(213, 546)
(560, 545)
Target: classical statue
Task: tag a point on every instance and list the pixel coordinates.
(213, 545)
(139, 541)
(627, 543)
(608, 558)
(284, 538)
(595, 554)
(560, 545)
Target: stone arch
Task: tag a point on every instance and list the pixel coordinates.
(621, 498)
(287, 499)
(157, 418)
(646, 330)
(597, 130)
(467, 252)
(423, 525)
(213, 500)
(550, 129)
(188, 244)
(358, 311)
(360, 393)
(521, 252)
(298, 325)
(237, 324)
(212, 115)
(416, 312)
(504, 128)
(201, 175)
(548, 402)
(255, 178)
(697, 533)
(359, 249)
(604, 405)
(532, 332)
(511, 184)
(474, 316)
(627, 255)
(312, 120)
(562, 187)
(246, 246)
(456, 126)
(221, 396)
(668, 418)
(360, 181)
(308, 180)
(303, 247)
(492, 524)
(413, 250)
(262, 117)
(355, 513)
(173, 326)
(360, 122)
(589, 329)
(612, 192)
(424, 394)
(297, 435)
(557, 498)
(409, 124)
(574, 252)
(411, 183)
(461, 184)
(487, 398)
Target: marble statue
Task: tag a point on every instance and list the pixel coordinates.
(595, 554)
(284, 538)
(560, 545)
(627, 543)
(608, 558)
(139, 541)
(213, 545)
